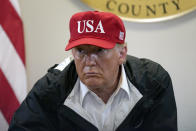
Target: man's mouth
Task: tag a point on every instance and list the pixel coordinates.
(91, 74)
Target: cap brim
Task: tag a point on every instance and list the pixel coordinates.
(91, 41)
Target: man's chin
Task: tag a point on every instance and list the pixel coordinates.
(92, 83)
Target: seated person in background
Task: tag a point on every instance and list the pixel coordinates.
(102, 88)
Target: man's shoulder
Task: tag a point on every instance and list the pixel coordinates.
(57, 73)
(144, 64)
(54, 86)
(142, 72)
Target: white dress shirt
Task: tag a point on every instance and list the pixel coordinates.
(106, 117)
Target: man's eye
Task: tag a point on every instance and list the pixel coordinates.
(80, 50)
(101, 50)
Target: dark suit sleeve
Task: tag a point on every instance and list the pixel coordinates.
(30, 115)
(163, 117)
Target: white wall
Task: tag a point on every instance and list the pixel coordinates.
(171, 43)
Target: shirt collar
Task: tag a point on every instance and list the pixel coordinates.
(122, 85)
(83, 91)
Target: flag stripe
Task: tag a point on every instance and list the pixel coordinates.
(12, 61)
(12, 66)
(16, 6)
(12, 25)
(8, 100)
(3, 123)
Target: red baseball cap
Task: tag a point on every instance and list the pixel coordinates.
(102, 29)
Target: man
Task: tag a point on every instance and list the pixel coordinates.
(103, 88)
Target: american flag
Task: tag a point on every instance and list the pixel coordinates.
(13, 86)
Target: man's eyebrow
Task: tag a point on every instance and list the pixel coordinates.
(78, 48)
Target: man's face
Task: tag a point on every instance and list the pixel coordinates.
(97, 67)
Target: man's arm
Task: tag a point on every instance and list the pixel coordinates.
(30, 115)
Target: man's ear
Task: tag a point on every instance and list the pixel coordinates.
(122, 55)
(73, 52)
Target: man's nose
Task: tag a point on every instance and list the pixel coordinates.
(90, 59)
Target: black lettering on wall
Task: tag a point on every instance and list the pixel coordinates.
(110, 3)
(123, 8)
(163, 5)
(176, 3)
(136, 11)
(150, 9)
